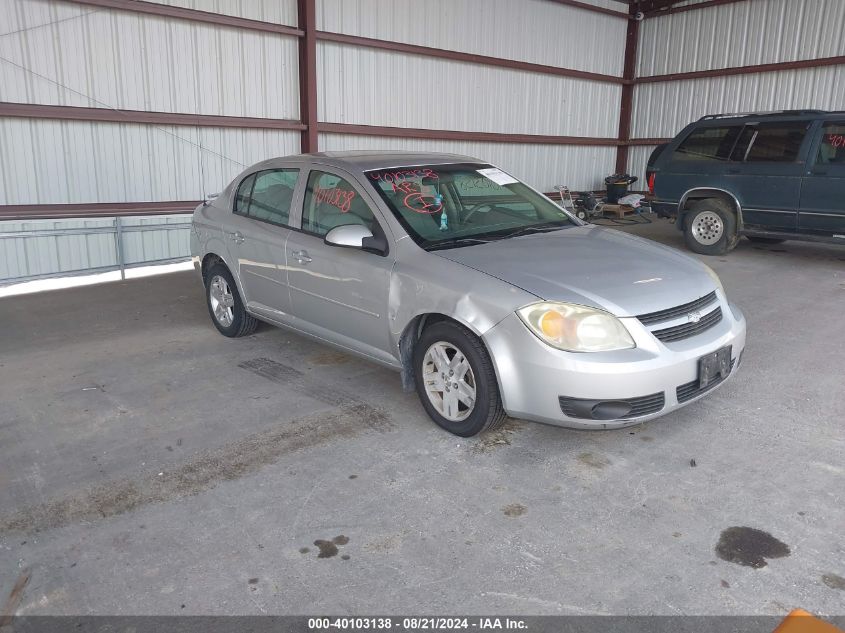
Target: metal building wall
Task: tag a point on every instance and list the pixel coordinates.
(727, 36)
(542, 166)
(376, 87)
(68, 54)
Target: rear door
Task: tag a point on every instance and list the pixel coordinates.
(765, 173)
(257, 233)
(823, 191)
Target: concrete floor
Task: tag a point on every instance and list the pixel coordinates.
(149, 465)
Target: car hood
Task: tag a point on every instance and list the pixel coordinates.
(590, 265)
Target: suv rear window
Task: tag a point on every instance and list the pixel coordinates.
(708, 143)
(771, 142)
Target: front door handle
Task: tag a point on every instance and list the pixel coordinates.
(237, 237)
(301, 256)
(732, 171)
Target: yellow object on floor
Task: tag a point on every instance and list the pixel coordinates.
(799, 621)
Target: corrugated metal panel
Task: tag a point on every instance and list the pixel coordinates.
(275, 11)
(126, 60)
(78, 161)
(637, 159)
(663, 109)
(741, 34)
(541, 166)
(84, 245)
(536, 31)
(374, 87)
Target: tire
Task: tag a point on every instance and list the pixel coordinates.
(478, 380)
(764, 240)
(225, 306)
(710, 227)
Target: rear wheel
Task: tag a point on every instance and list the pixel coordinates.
(455, 380)
(764, 240)
(710, 227)
(225, 305)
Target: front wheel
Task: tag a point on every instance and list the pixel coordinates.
(710, 227)
(455, 380)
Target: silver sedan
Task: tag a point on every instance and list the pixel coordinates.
(488, 297)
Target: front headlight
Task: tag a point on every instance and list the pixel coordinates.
(575, 328)
(715, 278)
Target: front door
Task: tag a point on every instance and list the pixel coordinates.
(257, 234)
(823, 191)
(339, 294)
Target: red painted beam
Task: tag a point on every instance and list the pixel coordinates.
(194, 15)
(690, 7)
(632, 37)
(745, 70)
(75, 113)
(456, 135)
(307, 12)
(91, 209)
(590, 7)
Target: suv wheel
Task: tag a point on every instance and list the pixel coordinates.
(710, 227)
(455, 380)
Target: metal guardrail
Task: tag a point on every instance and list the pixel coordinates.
(118, 229)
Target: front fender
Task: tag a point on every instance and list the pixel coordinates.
(423, 283)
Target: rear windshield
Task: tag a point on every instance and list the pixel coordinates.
(447, 206)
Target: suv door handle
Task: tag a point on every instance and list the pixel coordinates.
(301, 256)
(732, 171)
(237, 237)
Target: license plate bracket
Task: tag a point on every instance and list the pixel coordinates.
(714, 366)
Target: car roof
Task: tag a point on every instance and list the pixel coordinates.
(365, 160)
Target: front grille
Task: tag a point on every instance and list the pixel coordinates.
(686, 330)
(690, 390)
(677, 311)
(642, 405)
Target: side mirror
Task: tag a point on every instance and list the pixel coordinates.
(209, 198)
(356, 236)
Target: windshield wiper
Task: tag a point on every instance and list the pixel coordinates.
(536, 228)
(461, 241)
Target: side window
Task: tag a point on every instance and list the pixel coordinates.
(331, 201)
(775, 142)
(832, 147)
(244, 194)
(272, 194)
(708, 144)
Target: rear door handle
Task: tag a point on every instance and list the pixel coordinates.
(301, 256)
(732, 171)
(237, 237)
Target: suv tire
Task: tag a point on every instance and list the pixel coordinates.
(710, 227)
(445, 344)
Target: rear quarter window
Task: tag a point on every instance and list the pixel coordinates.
(708, 144)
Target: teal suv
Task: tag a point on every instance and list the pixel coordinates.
(769, 176)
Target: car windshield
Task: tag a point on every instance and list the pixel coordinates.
(448, 206)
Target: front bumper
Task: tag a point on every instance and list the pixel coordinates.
(534, 376)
